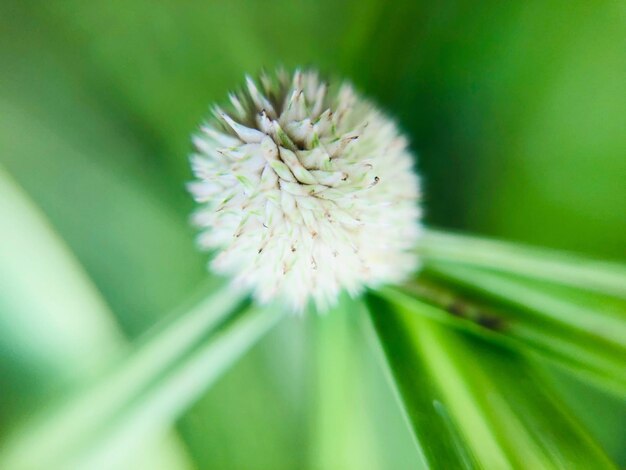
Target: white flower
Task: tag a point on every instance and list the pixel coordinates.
(306, 189)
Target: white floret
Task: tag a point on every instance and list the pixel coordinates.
(305, 190)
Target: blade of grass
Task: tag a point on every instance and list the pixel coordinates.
(448, 446)
(153, 412)
(473, 406)
(584, 335)
(77, 424)
(342, 429)
(60, 337)
(606, 324)
(437, 438)
(559, 268)
(67, 308)
(112, 208)
(588, 358)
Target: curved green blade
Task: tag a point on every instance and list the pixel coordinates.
(536, 263)
(474, 406)
(146, 392)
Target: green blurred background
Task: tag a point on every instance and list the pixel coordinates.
(516, 110)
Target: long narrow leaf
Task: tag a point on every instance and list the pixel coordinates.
(566, 269)
(346, 432)
(46, 300)
(472, 406)
(604, 322)
(77, 428)
(153, 412)
(60, 337)
(440, 445)
(589, 357)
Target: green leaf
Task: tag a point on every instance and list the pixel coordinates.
(593, 315)
(473, 406)
(146, 392)
(342, 434)
(59, 338)
(66, 309)
(113, 206)
(536, 263)
(566, 308)
(353, 426)
(589, 357)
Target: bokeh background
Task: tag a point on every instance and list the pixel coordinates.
(516, 110)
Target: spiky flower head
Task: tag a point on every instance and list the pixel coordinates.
(305, 189)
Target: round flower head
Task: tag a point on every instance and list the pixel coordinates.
(306, 189)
